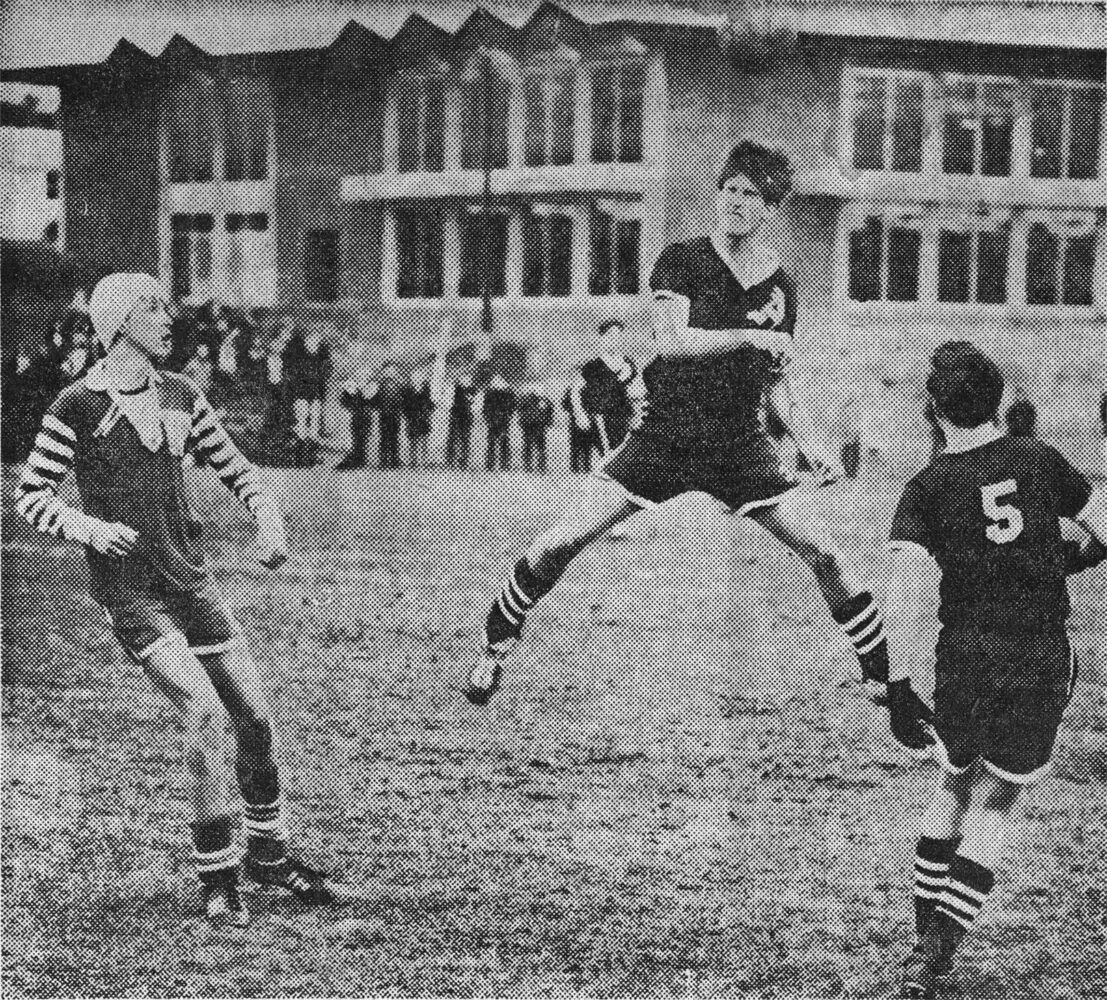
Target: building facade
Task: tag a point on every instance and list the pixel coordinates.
(950, 168)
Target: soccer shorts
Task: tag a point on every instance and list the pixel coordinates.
(746, 474)
(145, 621)
(999, 698)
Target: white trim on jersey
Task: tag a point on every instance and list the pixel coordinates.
(1094, 515)
(1018, 779)
(912, 548)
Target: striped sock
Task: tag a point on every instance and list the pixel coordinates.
(967, 887)
(520, 592)
(214, 850)
(863, 623)
(932, 858)
(266, 832)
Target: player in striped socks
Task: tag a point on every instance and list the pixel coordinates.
(986, 511)
(724, 311)
(125, 429)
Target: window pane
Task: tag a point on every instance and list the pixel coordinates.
(1079, 265)
(1048, 111)
(245, 130)
(53, 184)
(631, 94)
(954, 265)
(603, 115)
(869, 123)
(991, 275)
(995, 130)
(418, 254)
(626, 256)
(483, 246)
(599, 270)
(434, 124)
(407, 126)
(533, 254)
(201, 243)
(561, 255)
(865, 261)
(907, 130)
(1087, 113)
(1041, 266)
(321, 266)
(959, 134)
(903, 265)
(561, 121)
(191, 133)
(181, 263)
(473, 124)
(535, 145)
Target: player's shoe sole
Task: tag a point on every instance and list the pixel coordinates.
(486, 676)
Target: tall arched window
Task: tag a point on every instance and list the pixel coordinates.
(549, 84)
(420, 118)
(486, 83)
(192, 113)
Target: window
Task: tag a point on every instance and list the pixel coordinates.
(614, 260)
(418, 253)
(1060, 260)
(192, 113)
(474, 121)
(547, 251)
(50, 232)
(248, 257)
(321, 266)
(420, 123)
(884, 259)
(978, 117)
(972, 259)
(1066, 129)
(888, 121)
(191, 255)
(246, 130)
(550, 107)
(53, 184)
(483, 246)
(617, 97)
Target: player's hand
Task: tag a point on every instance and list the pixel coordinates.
(271, 537)
(911, 717)
(824, 463)
(112, 539)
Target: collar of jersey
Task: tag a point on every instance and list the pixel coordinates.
(762, 266)
(974, 438)
(97, 378)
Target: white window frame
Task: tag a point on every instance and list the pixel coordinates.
(982, 219)
(851, 74)
(1067, 86)
(980, 81)
(1082, 223)
(619, 64)
(548, 75)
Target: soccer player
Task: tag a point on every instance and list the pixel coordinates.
(606, 396)
(724, 310)
(125, 429)
(986, 510)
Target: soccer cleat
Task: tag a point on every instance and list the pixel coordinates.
(307, 884)
(920, 975)
(223, 905)
(486, 676)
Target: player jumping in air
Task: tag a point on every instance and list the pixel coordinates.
(125, 429)
(723, 313)
(986, 510)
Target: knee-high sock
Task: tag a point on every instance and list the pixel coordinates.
(932, 858)
(259, 783)
(862, 622)
(967, 887)
(214, 850)
(520, 592)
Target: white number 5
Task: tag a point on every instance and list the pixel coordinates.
(1007, 520)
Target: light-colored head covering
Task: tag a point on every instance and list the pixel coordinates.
(112, 300)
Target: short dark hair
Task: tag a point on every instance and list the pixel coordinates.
(609, 324)
(965, 384)
(768, 169)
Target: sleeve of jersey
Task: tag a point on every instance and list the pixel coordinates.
(1071, 489)
(36, 495)
(211, 442)
(910, 532)
(666, 279)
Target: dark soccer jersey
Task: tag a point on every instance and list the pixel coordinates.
(721, 393)
(989, 518)
(120, 479)
(605, 389)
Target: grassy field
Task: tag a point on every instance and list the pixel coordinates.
(679, 792)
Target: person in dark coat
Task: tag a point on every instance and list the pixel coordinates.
(606, 392)
(358, 396)
(308, 364)
(461, 424)
(18, 417)
(418, 406)
(581, 437)
(276, 405)
(1021, 416)
(499, 407)
(535, 417)
(389, 403)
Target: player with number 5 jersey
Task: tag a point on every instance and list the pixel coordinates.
(987, 511)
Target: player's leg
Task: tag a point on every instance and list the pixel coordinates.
(795, 521)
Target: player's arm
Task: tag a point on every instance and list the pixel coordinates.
(1075, 499)
(38, 502)
(785, 407)
(209, 441)
(674, 338)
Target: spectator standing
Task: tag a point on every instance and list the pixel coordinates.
(460, 431)
(199, 367)
(1021, 416)
(581, 437)
(606, 391)
(18, 416)
(418, 407)
(535, 417)
(273, 435)
(359, 398)
(389, 403)
(308, 364)
(1103, 421)
(499, 407)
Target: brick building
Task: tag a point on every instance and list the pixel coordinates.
(949, 165)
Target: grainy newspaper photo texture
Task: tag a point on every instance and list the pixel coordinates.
(554, 499)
